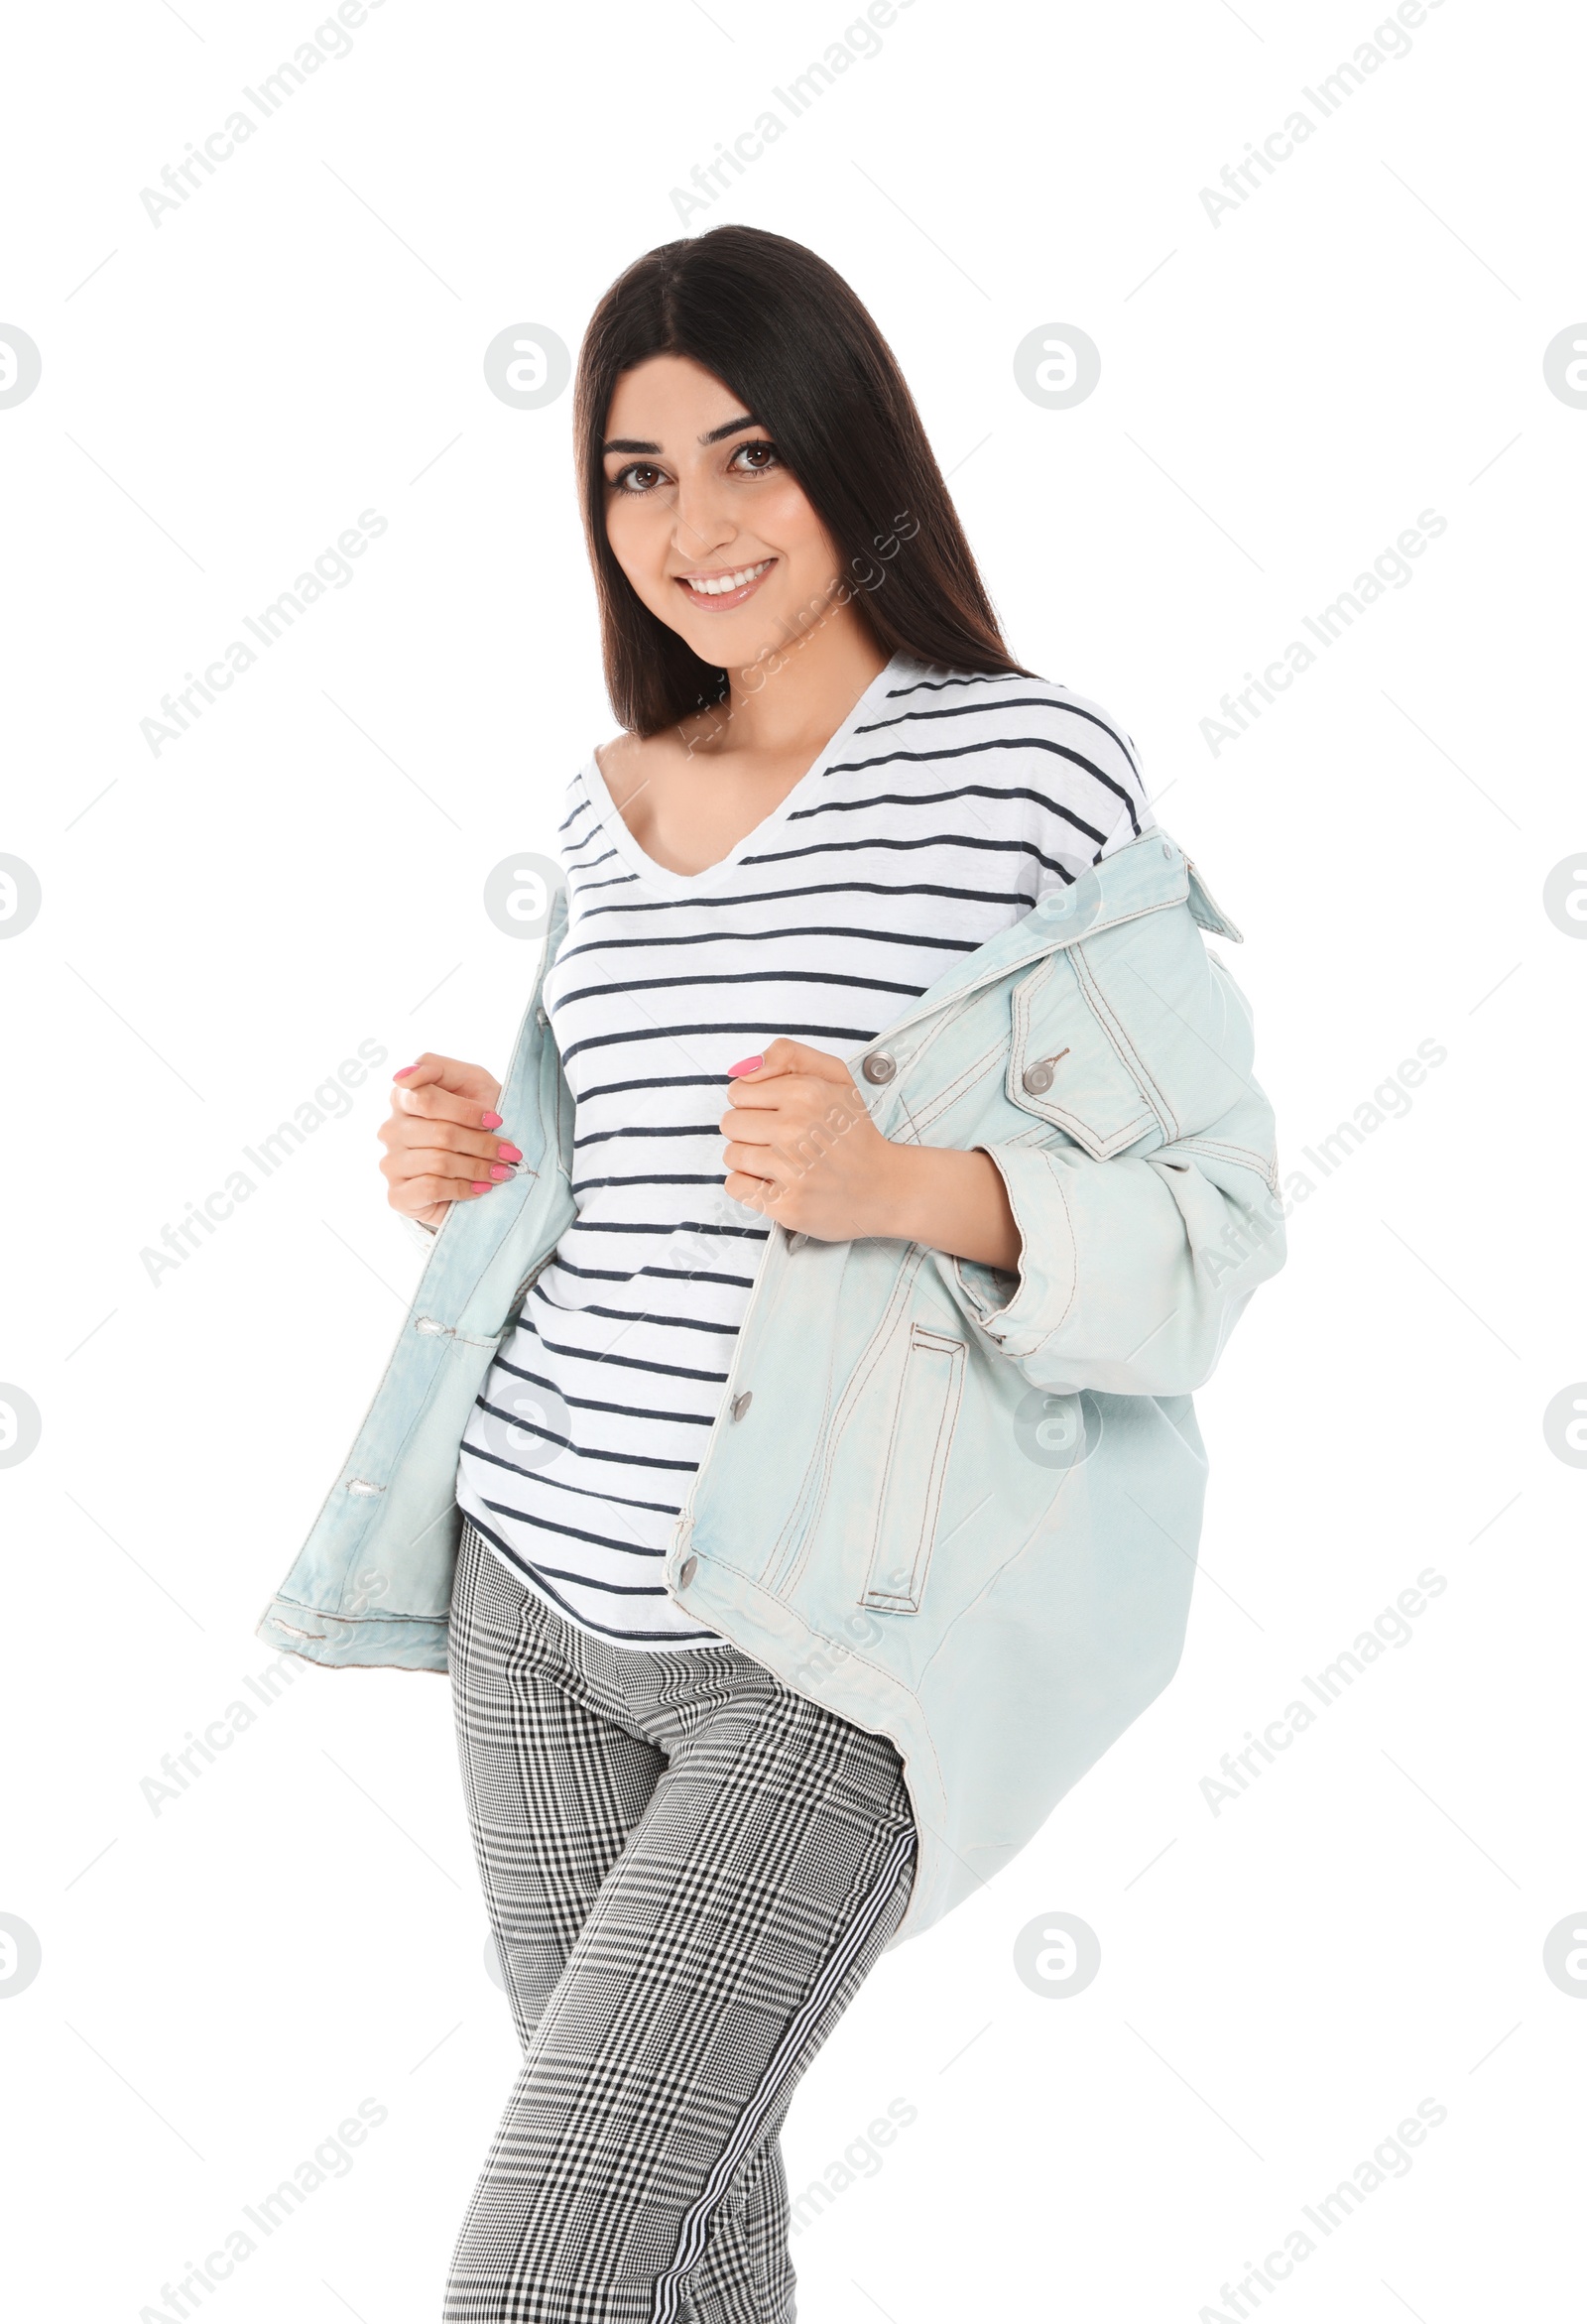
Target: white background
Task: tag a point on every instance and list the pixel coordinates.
(1282, 393)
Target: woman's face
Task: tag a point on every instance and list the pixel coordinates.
(712, 530)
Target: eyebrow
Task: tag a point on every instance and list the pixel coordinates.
(630, 444)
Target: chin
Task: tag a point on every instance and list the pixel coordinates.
(729, 644)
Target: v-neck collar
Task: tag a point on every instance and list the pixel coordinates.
(655, 876)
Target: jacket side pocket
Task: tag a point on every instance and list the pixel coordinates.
(916, 1463)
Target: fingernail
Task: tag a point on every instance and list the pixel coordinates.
(404, 1069)
(509, 1154)
(480, 1187)
(745, 1065)
(498, 1174)
(486, 1121)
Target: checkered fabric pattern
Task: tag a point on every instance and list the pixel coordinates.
(689, 1870)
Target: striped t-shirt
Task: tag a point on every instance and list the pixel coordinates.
(938, 813)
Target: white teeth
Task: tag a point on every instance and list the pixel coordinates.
(726, 582)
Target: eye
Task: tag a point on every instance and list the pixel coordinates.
(756, 458)
(637, 478)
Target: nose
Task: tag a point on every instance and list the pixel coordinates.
(703, 525)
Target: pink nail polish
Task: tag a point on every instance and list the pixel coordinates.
(480, 1187)
(498, 1174)
(512, 1153)
(745, 1065)
(486, 1121)
(402, 1070)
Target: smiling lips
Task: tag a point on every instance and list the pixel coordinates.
(730, 585)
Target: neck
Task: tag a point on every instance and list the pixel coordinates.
(799, 692)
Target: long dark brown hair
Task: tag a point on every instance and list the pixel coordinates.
(783, 331)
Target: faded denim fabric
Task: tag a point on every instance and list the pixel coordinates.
(959, 1508)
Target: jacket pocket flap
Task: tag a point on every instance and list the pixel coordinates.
(1064, 1067)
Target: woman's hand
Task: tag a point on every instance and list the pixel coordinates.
(802, 1148)
(439, 1140)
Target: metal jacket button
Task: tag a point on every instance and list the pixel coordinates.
(741, 1403)
(1038, 1080)
(796, 1242)
(879, 1067)
(689, 1569)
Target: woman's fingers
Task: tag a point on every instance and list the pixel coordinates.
(451, 1161)
(440, 1104)
(764, 1163)
(798, 1094)
(471, 1084)
(413, 1134)
(798, 1131)
(755, 1194)
(439, 1137)
(418, 1197)
(781, 1057)
(419, 1194)
(437, 1100)
(444, 1177)
(431, 1163)
(436, 1157)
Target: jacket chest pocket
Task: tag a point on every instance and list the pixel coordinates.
(1069, 1061)
(917, 1464)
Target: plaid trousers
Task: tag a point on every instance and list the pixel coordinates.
(689, 1868)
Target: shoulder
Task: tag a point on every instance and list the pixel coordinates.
(1036, 734)
(581, 822)
(629, 760)
(577, 808)
(617, 762)
(1008, 706)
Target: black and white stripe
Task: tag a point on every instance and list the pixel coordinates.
(939, 813)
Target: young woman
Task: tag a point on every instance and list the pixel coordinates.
(790, 1451)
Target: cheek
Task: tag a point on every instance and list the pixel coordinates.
(639, 529)
(787, 522)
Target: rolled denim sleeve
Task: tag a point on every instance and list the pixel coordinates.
(1132, 1271)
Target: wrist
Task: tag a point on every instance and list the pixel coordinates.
(950, 1199)
(896, 1206)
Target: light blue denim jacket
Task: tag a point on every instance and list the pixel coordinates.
(958, 1507)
